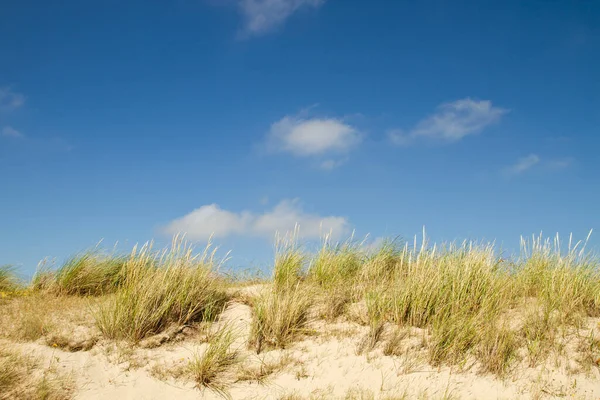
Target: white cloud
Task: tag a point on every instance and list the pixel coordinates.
(209, 220)
(9, 131)
(312, 137)
(523, 164)
(452, 122)
(10, 100)
(262, 16)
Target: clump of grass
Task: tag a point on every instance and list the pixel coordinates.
(32, 316)
(44, 277)
(376, 308)
(453, 290)
(261, 372)
(89, 273)
(497, 350)
(589, 350)
(289, 262)
(33, 326)
(279, 317)
(13, 367)
(370, 340)
(172, 287)
(384, 262)
(393, 346)
(336, 265)
(539, 331)
(8, 280)
(452, 337)
(333, 302)
(333, 271)
(20, 379)
(206, 368)
(447, 281)
(566, 282)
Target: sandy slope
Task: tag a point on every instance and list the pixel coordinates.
(322, 366)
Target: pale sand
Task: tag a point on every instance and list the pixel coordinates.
(323, 366)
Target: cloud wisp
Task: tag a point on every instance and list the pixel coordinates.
(523, 164)
(9, 131)
(9, 100)
(263, 16)
(451, 122)
(211, 220)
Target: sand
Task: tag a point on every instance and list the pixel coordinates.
(325, 365)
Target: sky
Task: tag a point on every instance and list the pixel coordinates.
(126, 121)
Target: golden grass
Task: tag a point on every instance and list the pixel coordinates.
(33, 315)
(21, 378)
(289, 262)
(472, 306)
(8, 280)
(160, 289)
(461, 293)
(279, 317)
(207, 368)
(89, 273)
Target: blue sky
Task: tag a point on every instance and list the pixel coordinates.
(132, 120)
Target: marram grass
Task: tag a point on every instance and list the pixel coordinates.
(160, 289)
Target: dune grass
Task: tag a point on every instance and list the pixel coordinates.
(9, 282)
(336, 263)
(290, 262)
(471, 305)
(461, 294)
(279, 317)
(89, 273)
(206, 368)
(162, 288)
(281, 313)
(20, 378)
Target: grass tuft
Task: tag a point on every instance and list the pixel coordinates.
(279, 317)
(206, 368)
(289, 262)
(160, 289)
(8, 280)
(18, 380)
(89, 273)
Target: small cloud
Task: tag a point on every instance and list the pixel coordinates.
(523, 164)
(304, 137)
(211, 220)
(451, 122)
(9, 131)
(329, 165)
(263, 16)
(560, 164)
(264, 200)
(399, 137)
(9, 100)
